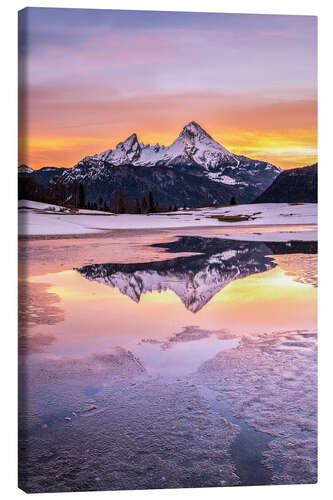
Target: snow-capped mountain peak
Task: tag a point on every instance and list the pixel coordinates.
(126, 152)
(195, 280)
(24, 169)
(128, 144)
(193, 154)
(193, 146)
(194, 129)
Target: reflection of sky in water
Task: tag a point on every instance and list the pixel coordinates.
(269, 379)
(181, 358)
(99, 318)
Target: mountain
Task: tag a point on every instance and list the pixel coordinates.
(43, 175)
(299, 185)
(195, 279)
(24, 169)
(194, 169)
(193, 147)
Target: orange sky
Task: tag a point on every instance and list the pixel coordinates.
(89, 79)
(283, 133)
(269, 301)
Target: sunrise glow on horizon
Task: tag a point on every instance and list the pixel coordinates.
(91, 78)
(268, 300)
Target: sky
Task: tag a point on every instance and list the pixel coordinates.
(88, 79)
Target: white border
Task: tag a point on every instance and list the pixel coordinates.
(8, 123)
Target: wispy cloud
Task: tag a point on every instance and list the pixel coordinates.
(93, 77)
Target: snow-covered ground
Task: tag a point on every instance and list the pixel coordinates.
(48, 207)
(45, 219)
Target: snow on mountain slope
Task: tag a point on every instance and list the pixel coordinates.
(24, 169)
(193, 146)
(195, 279)
(48, 169)
(126, 152)
(194, 170)
(194, 291)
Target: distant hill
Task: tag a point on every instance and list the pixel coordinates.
(299, 185)
(24, 169)
(43, 175)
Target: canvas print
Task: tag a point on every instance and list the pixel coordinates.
(167, 187)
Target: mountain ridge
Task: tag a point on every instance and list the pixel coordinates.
(193, 154)
(193, 170)
(195, 279)
(183, 149)
(297, 185)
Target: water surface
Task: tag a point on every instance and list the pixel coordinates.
(141, 321)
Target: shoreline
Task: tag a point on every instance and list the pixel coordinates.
(107, 233)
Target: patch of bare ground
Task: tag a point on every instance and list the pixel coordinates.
(231, 218)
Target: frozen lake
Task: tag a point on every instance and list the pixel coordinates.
(149, 360)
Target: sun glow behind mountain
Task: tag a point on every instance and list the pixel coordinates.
(267, 301)
(91, 78)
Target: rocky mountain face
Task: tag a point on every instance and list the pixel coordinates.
(194, 279)
(194, 170)
(299, 185)
(193, 147)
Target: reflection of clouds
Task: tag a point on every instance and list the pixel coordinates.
(36, 307)
(152, 64)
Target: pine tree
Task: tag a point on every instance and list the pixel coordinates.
(144, 204)
(82, 196)
(233, 201)
(175, 208)
(121, 202)
(151, 203)
(74, 194)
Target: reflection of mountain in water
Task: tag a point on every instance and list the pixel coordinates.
(198, 278)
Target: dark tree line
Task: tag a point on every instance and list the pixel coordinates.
(121, 203)
(67, 195)
(58, 193)
(30, 189)
(74, 195)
